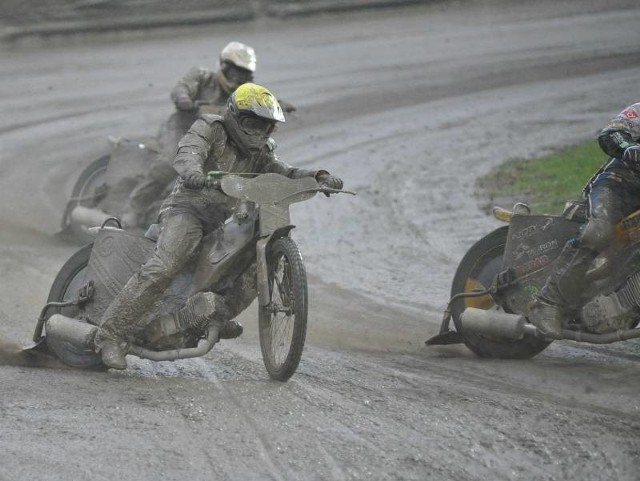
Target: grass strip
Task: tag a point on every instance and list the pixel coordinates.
(545, 183)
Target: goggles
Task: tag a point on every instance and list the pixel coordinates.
(253, 125)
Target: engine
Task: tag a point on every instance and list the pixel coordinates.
(618, 310)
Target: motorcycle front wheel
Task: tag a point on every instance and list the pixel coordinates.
(283, 322)
(70, 279)
(83, 194)
(476, 271)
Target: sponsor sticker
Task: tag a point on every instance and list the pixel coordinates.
(630, 114)
(524, 233)
(532, 265)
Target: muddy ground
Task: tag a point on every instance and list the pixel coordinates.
(409, 106)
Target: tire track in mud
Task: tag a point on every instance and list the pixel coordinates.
(45, 120)
(76, 114)
(413, 370)
(201, 367)
(470, 407)
(265, 446)
(195, 433)
(200, 430)
(627, 350)
(372, 101)
(481, 380)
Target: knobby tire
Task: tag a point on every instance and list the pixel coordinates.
(286, 314)
(477, 270)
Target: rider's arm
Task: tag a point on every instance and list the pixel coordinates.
(622, 132)
(272, 164)
(189, 86)
(196, 145)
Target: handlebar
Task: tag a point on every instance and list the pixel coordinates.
(272, 189)
(328, 191)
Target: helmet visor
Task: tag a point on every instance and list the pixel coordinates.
(257, 126)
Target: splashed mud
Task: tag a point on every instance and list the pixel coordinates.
(13, 355)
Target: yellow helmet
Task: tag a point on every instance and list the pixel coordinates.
(251, 116)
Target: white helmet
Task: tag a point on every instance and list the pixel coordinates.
(240, 55)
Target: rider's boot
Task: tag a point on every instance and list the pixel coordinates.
(546, 312)
(547, 317)
(113, 355)
(562, 296)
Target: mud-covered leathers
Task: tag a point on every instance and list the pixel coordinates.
(199, 85)
(611, 194)
(186, 216)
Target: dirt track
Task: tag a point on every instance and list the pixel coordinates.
(408, 106)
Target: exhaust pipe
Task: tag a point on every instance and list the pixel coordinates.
(496, 324)
(81, 336)
(503, 325)
(77, 333)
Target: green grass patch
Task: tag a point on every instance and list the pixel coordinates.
(545, 183)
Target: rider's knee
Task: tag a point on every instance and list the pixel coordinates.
(597, 235)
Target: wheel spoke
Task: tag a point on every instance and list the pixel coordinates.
(281, 326)
(283, 321)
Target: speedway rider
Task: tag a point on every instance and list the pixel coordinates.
(200, 91)
(612, 194)
(240, 142)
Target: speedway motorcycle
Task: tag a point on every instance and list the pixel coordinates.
(181, 326)
(103, 187)
(502, 273)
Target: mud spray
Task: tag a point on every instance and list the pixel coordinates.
(12, 355)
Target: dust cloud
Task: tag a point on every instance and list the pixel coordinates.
(13, 355)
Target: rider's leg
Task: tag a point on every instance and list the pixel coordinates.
(564, 289)
(178, 241)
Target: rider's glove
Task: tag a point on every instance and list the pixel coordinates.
(183, 102)
(331, 181)
(632, 155)
(198, 181)
(195, 181)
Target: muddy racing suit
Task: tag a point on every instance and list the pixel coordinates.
(198, 85)
(611, 194)
(186, 216)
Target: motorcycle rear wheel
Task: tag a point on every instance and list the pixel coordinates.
(283, 323)
(64, 288)
(476, 271)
